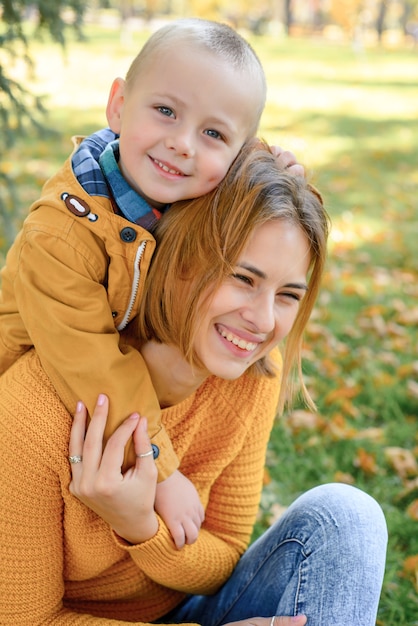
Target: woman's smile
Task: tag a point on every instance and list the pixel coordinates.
(241, 343)
(255, 307)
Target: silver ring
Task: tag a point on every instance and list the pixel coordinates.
(77, 458)
(272, 620)
(149, 453)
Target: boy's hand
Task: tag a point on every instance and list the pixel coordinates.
(178, 503)
(287, 160)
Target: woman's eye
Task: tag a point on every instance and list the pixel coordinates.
(290, 296)
(166, 111)
(213, 133)
(244, 279)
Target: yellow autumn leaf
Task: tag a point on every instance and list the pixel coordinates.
(366, 462)
(338, 428)
(408, 369)
(409, 317)
(343, 393)
(412, 387)
(344, 477)
(304, 420)
(410, 568)
(266, 477)
(371, 434)
(412, 510)
(402, 461)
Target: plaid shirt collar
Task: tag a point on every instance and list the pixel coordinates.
(95, 165)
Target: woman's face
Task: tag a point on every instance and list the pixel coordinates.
(256, 306)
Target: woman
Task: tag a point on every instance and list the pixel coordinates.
(234, 274)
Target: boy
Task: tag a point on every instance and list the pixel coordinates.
(75, 274)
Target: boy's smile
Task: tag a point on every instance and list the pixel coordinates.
(181, 123)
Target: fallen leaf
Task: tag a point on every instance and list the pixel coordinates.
(344, 477)
(409, 317)
(372, 434)
(410, 568)
(366, 462)
(304, 420)
(342, 392)
(412, 510)
(402, 461)
(338, 429)
(266, 477)
(408, 369)
(410, 486)
(412, 387)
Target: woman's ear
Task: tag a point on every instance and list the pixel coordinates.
(115, 104)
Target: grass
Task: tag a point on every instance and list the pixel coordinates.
(351, 116)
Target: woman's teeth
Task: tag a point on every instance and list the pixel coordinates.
(241, 343)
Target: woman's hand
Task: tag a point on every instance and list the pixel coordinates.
(124, 501)
(297, 620)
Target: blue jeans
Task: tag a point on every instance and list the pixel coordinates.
(325, 558)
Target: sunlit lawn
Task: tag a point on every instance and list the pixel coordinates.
(352, 117)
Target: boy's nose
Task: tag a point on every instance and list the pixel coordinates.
(181, 143)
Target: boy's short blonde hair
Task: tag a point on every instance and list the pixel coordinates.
(200, 241)
(219, 39)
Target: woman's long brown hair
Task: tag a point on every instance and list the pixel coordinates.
(199, 242)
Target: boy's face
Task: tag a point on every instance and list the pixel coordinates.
(182, 123)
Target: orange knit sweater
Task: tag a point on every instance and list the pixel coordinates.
(61, 564)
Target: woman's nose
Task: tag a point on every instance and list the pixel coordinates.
(260, 312)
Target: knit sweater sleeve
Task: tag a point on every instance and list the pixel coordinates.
(33, 498)
(248, 407)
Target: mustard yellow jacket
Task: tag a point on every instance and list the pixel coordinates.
(73, 280)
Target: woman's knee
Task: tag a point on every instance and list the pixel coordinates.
(347, 504)
(343, 508)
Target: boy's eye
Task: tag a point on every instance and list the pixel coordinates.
(213, 133)
(166, 111)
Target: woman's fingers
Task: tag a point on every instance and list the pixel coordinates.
(143, 449)
(78, 431)
(112, 457)
(297, 620)
(93, 442)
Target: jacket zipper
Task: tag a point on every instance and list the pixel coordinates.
(135, 285)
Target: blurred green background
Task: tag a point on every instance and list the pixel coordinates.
(343, 95)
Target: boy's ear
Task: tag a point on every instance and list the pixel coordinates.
(115, 105)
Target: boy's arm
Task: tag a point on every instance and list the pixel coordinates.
(64, 306)
(61, 297)
(178, 503)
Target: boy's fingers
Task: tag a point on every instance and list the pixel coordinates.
(296, 170)
(178, 535)
(191, 531)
